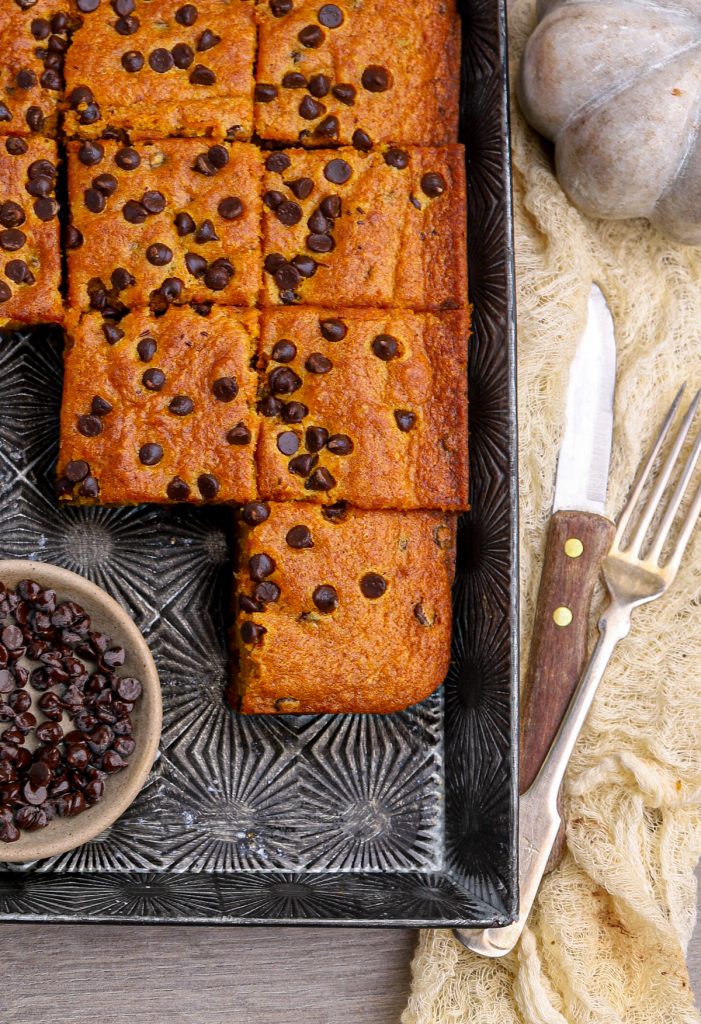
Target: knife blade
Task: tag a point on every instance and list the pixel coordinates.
(579, 535)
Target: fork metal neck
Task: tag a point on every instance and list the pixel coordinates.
(614, 625)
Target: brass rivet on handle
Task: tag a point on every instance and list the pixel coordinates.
(573, 547)
(562, 616)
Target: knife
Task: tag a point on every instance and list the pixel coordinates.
(579, 535)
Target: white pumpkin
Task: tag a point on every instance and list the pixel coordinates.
(616, 85)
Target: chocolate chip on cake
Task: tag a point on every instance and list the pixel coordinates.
(302, 465)
(208, 486)
(337, 171)
(315, 438)
(333, 329)
(178, 489)
(318, 363)
(376, 78)
(311, 36)
(340, 444)
(361, 140)
(260, 566)
(372, 585)
(225, 389)
(433, 184)
(288, 442)
(283, 351)
(325, 598)
(181, 405)
(345, 93)
(385, 347)
(320, 480)
(299, 537)
(405, 419)
(265, 93)
(255, 512)
(239, 435)
(277, 162)
(150, 454)
(153, 379)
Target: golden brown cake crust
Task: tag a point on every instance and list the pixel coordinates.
(171, 75)
(386, 420)
(399, 238)
(166, 176)
(150, 377)
(29, 232)
(376, 653)
(412, 98)
(30, 86)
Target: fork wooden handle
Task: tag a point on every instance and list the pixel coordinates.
(575, 547)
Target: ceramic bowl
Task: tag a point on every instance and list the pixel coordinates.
(107, 616)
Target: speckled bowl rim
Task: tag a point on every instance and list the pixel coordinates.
(148, 721)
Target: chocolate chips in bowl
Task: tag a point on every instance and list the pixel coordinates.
(80, 710)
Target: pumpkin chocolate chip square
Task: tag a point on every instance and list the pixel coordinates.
(358, 73)
(313, 581)
(30, 267)
(365, 406)
(379, 229)
(150, 70)
(34, 37)
(164, 222)
(159, 408)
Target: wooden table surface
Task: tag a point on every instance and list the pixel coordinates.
(81, 974)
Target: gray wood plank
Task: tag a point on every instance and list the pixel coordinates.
(79, 974)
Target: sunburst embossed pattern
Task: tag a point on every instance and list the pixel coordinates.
(406, 818)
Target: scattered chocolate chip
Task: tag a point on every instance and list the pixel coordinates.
(294, 80)
(405, 419)
(283, 381)
(12, 239)
(89, 426)
(269, 406)
(329, 128)
(279, 8)
(433, 184)
(318, 363)
(178, 489)
(345, 93)
(272, 198)
(385, 347)
(196, 264)
(320, 243)
(333, 329)
(287, 442)
(186, 15)
(153, 379)
(181, 405)
(225, 389)
(301, 188)
(208, 486)
(133, 212)
(335, 513)
(159, 255)
(160, 60)
(146, 349)
(184, 224)
(293, 412)
(132, 60)
(325, 598)
(94, 200)
(202, 75)
(319, 85)
(183, 56)
(112, 333)
(311, 36)
(277, 162)
(100, 406)
(11, 214)
(302, 465)
(150, 454)
(35, 119)
(91, 153)
(265, 93)
(315, 438)
(337, 171)
(239, 435)
(255, 512)
(376, 78)
(361, 140)
(305, 265)
(5, 292)
(299, 537)
(260, 566)
(218, 275)
(288, 213)
(128, 159)
(398, 158)
(153, 201)
(340, 444)
(252, 632)
(372, 585)
(45, 209)
(207, 40)
(283, 351)
(75, 472)
(230, 208)
(310, 108)
(206, 233)
(320, 480)
(73, 237)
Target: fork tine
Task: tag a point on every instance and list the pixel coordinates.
(676, 499)
(687, 529)
(644, 473)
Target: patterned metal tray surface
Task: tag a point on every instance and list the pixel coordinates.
(399, 819)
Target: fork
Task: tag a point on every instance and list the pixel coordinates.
(632, 579)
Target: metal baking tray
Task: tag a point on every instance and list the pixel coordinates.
(402, 819)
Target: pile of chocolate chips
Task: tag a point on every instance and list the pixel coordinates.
(49, 652)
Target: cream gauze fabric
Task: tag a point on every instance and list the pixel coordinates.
(607, 937)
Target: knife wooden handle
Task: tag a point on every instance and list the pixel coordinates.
(575, 547)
